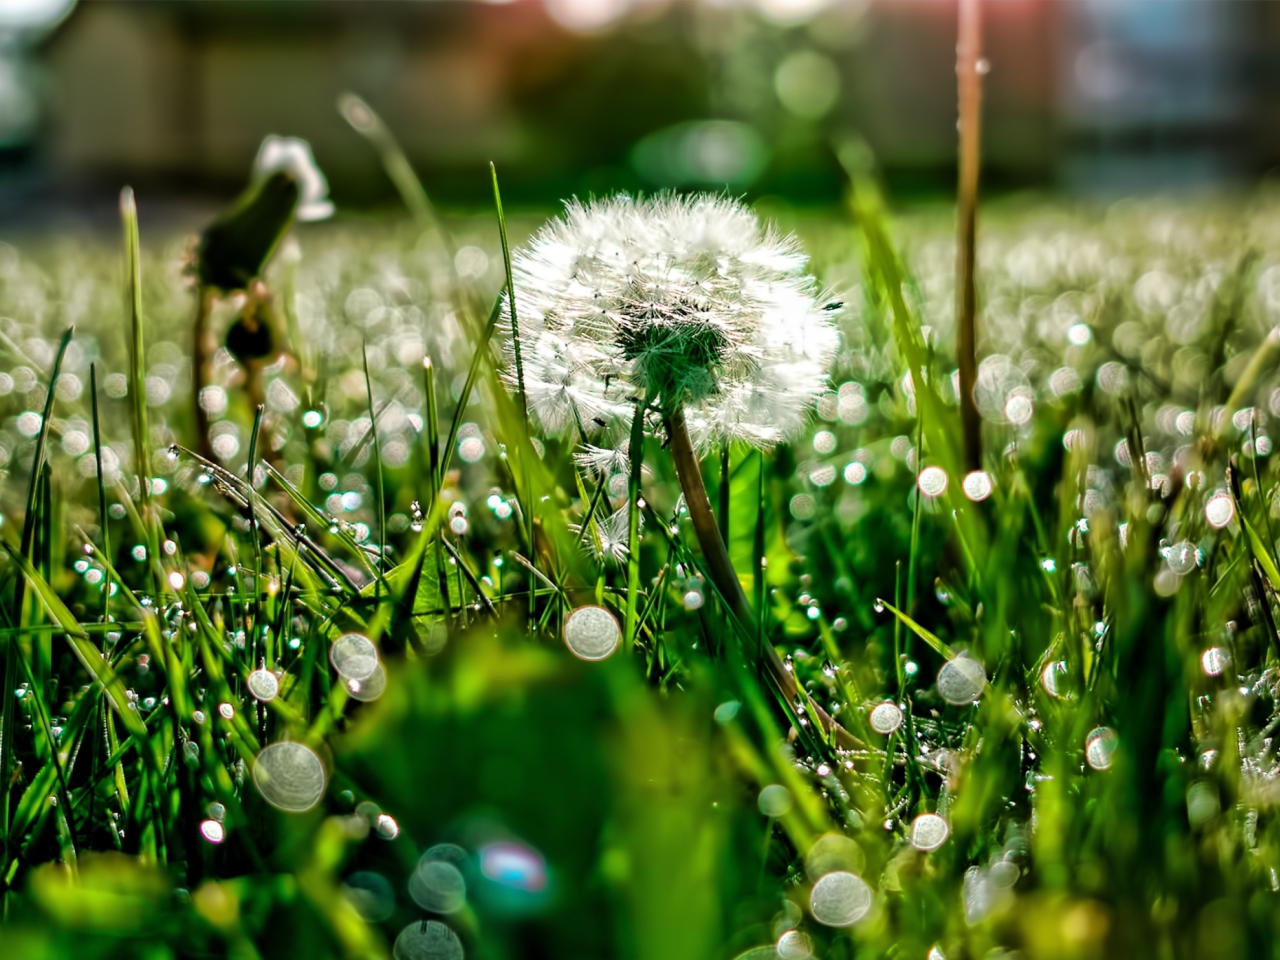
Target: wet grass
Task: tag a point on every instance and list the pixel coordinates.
(1107, 779)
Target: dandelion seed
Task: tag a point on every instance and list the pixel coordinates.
(691, 301)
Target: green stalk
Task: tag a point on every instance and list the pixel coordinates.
(137, 368)
(530, 499)
(377, 470)
(720, 568)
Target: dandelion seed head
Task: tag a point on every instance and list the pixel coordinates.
(689, 301)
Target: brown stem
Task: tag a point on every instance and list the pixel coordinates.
(720, 567)
(202, 367)
(969, 81)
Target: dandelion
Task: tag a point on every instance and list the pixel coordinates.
(294, 155)
(688, 307)
(689, 304)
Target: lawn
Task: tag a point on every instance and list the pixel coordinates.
(392, 668)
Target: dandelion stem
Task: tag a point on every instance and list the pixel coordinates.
(969, 81)
(720, 567)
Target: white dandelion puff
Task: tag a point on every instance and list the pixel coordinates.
(294, 155)
(603, 462)
(612, 534)
(684, 302)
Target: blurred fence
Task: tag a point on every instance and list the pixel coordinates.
(581, 95)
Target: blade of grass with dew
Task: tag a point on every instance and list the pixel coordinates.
(137, 369)
(381, 511)
(522, 400)
(926, 635)
(17, 614)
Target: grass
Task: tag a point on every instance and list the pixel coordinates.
(1109, 793)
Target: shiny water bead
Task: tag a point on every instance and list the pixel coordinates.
(370, 688)
(438, 886)
(213, 831)
(977, 485)
(1052, 677)
(774, 800)
(1214, 661)
(427, 940)
(592, 633)
(1099, 746)
(263, 685)
(929, 831)
(885, 717)
(794, 945)
(961, 681)
(840, 899)
(932, 481)
(354, 656)
(289, 776)
(1220, 510)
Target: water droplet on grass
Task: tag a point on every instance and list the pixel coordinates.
(1214, 661)
(354, 656)
(1099, 747)
(840, 899)
(289, 776)
(929, 831)
(932, 481)
(263, 685)
(370, 688)
(213, 831)
(977, 485)
(961, 681)
(592, 633)
(1220, 510)
(427, 940)
(885, 718)
(794, 945)
(438, 886)
(774, 800)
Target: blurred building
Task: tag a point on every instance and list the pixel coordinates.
(579, 95)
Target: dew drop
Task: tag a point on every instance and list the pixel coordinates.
(289, 776)
(885, 717)
(354, 656)
(592, 633)
(961, 681)
(840, 899)
(929, 831)
(263, 685)
(370, 688)
(427, 940)
(774, 800)
(1100, 746)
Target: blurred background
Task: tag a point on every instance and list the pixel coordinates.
(578, 96)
